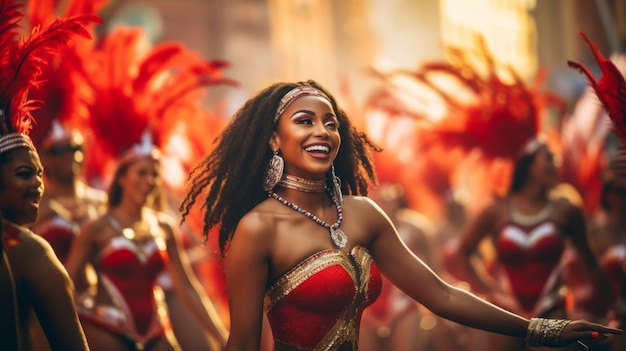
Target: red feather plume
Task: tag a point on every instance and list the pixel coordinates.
(610, 88)
(63, 86)
(139, 88)
(22, 60)
(473, 117)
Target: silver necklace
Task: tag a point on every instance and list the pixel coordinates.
(339, 237)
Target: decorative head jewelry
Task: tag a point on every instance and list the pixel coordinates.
(143, 149)
(21, 68)
(294, 94)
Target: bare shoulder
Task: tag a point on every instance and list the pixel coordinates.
(568, 214)
(33, 253)
(361, 203)
(566, 207)
(32, 243)
(257, 226)
(364, 208)
(563, 203)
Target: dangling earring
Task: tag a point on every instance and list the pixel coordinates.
(274, 172)
(336, 184)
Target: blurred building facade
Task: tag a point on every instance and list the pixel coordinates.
(336, 41)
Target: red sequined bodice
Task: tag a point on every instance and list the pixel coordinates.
(530, 257)
(130, 268)
(318, 304)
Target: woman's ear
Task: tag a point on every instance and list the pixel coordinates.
(273, 143)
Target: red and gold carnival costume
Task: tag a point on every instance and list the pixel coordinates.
(144, 98)
(317, 305)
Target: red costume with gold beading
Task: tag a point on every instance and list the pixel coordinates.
(317, 305)
(128, 270)
(529, 266)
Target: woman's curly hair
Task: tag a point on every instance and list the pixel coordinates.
(231, 176)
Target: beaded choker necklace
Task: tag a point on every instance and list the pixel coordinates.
(529, 220)
(302, 184)
(339, 237)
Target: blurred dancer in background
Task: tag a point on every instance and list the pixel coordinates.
(494, 124)
(143, 95)
(528, 228)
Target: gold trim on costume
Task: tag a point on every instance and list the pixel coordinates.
(357, 264)
(303, 271)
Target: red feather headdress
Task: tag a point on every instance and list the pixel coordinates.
(21, 62)
(499, 117)
(142, 96)
(480, 111)
(63, 86)
(610, 88)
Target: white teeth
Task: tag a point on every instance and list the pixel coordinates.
(318, 148)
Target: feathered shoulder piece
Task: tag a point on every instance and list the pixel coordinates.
(21, 62)
(610, 87)
(140, 92)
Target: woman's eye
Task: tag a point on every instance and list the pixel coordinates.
(24, 174)
(333, 125)
(304, 121)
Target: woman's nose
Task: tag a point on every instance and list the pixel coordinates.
(321, 130)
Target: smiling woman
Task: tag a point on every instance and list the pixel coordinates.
(20, 185)
(313, 279)
(31, 277)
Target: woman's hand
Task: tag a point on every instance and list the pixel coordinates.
(586, 332)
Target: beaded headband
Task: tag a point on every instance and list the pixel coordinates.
(141, 150)
(12, 141)
(294, 94)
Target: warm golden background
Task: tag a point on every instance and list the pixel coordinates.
(336, 41)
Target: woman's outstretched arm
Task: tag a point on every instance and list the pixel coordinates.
(416, 279)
